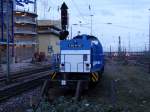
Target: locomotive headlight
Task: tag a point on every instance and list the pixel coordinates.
(62, 66)
(87, 66)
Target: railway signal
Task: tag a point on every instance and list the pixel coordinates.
(64, 22)
(64, 16)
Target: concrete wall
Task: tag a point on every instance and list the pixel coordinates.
(46, 40)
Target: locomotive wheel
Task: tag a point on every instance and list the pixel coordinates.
(101, 73)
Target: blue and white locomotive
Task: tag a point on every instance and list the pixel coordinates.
(81, 58)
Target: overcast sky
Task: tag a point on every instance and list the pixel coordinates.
(129, 19)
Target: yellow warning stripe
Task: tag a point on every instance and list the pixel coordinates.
(94, 77)
(53, 76)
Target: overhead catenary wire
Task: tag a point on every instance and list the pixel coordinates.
(77, 8)
(90, 15)
(80, 17)
(120, 26)
(47, 9)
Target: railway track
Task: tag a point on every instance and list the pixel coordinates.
(25, 83)
(24, 73)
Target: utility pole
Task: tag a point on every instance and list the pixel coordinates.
(145, 48)
(149, 43)
(119, 46)
(129, 44)
(149, 31)
(91, 23)
(8, 41)
(110, 51)
(72, 29)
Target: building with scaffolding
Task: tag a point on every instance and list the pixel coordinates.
(6, 29)
(18, 24)
(25, 22)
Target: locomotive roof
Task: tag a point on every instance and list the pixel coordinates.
(88, 37)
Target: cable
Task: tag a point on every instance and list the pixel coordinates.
(81, 15)
(121, 26)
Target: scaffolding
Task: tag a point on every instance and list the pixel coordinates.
(6, 21)
(6, 32)
(6, 28)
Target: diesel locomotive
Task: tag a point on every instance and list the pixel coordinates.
(80, 59)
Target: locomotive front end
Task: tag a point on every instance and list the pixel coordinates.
(81, 59)
(75, 56)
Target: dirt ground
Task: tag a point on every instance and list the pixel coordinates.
(123, 86)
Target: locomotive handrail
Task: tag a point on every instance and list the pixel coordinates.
(78, 66)
(66, 62)
(69, 64)
(83, 62)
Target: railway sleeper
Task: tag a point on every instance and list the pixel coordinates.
(55, 88)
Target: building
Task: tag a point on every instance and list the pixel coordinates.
(6, 29)
(48, 36)
(19, 23)
(25, 29)
(25, 33)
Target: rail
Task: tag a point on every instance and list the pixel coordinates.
(25, 84)
(24, 73)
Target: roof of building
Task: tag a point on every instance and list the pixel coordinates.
(56, 23)
(49, 27)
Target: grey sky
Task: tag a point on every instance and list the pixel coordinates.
(129, 19)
